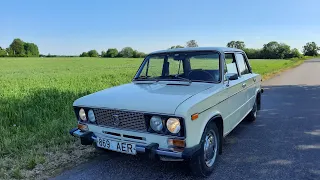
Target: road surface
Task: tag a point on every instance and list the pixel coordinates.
(284, 142)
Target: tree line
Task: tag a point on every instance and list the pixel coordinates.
(19, 48)
(126, 52)
(271, 50)
(276, 50)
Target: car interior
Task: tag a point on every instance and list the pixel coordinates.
(192, 74)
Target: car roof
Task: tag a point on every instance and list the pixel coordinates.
(220, 49)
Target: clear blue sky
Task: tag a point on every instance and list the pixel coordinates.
(74, 26)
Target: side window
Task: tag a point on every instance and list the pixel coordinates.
(230, 62)
(242, 65)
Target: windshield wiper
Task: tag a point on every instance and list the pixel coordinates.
(181, 78)
(144, 78)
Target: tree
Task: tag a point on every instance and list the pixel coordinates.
(192, 43)
(135, 54)
(93, 53)
(253, 53)
(275, 50)
(177, 46)
(103, 54)
(295, 53)
(283, 51)
(236, 44)
(311, 49)
(84, 54)
(3, 52)
(112, 52)
(31, 50)
(17, 48)
(126, 52)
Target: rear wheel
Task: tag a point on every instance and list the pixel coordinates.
(203, 163)
(252, 116)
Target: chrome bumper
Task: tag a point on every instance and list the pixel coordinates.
(139, 148)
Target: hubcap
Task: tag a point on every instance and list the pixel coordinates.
(210, 148)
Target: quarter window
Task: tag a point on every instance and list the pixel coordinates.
(242, 65)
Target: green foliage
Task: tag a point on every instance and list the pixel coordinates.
(295, 53)
(103, 54)
(31, 50)
(17, 48)
(16, 173)
(137, 54)
(126, 52)
(93, 53)
(253, 53)
(275, 50)
(31, 163)
(112, 52)
(236, 44)
(177, 46)
(311, 49)
(3, 52)
(192, 43)
(84, 54)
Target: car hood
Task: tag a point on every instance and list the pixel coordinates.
(145, 97)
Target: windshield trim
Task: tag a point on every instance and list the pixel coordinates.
(145, 60)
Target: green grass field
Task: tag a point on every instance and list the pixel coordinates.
(36, 97)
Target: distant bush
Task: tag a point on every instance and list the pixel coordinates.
(112, 52)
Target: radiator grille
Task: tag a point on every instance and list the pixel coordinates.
(120, 119)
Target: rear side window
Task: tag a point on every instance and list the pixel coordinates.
(242, 65)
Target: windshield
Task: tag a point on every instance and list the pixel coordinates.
(181, 66)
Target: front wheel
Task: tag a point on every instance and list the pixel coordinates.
(203, 163)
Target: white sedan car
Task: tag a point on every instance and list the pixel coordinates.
(179, 106)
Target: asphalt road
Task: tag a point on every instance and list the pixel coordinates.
(284, 142)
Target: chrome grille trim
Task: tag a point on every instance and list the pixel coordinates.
(121, 119)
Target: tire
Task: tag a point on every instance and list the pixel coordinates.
(252, 116)
(201, 164)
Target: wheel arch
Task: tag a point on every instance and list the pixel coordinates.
(218, 120)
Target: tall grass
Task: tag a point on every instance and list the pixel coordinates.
(36, 97)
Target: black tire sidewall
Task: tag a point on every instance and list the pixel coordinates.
(198, 164)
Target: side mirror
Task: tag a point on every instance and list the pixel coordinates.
(231, 76)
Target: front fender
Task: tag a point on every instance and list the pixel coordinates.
(195, 128)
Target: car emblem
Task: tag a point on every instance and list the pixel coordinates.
(116, 120)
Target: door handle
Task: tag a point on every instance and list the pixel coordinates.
(244, 85)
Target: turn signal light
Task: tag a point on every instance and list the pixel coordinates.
(83, 127)
(176, 142)
(194, 116)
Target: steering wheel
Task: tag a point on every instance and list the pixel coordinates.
(203, 72)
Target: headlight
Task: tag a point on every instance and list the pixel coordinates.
(82, 114)
(91, 116)
(173, 125)
(156, 123)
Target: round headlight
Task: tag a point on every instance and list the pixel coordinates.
(156, 123)
(82, 114)
(173, 125)
(91, 116)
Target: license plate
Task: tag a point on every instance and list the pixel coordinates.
(118, 146)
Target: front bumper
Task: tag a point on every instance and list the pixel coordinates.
(88, 138)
